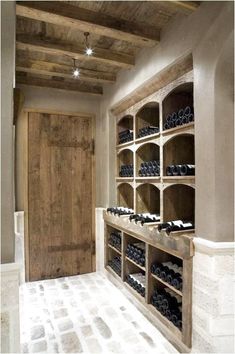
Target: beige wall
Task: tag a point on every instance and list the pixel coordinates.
(57, 100)
(7, 84)
(203, 33)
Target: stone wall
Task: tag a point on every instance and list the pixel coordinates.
(213, 297)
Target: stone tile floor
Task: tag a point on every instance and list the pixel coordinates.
(84, 313)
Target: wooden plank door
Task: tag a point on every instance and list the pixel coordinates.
(60, 195)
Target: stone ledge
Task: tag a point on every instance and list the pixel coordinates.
(213, 248)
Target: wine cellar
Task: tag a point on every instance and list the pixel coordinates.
(117, 177)
(158, 143)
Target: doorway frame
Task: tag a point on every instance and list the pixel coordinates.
(92, 117)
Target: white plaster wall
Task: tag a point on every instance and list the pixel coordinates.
(7, 85)
(203, 33)
(68, 101)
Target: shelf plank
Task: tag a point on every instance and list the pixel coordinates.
(167, 285)
(135, 293)
(128, 143)
(166, 322)
(129, 179)
(179, 244)
(147, 138)
(130, 260)
(109, 269)
(114, 249)
(178, 129)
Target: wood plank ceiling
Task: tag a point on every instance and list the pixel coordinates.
(50, 34)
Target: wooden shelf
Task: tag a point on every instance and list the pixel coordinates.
(135, 293)
(173, 197)
(167, 323)
(114, 249)
(180, 128)
(167, 285)
(112, 272)
(147, 138)
(124, 145)
(137, 265)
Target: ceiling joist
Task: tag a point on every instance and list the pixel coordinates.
(188, 5)
(64, 14)
(61, 85)
(54, 69)
(28, 42)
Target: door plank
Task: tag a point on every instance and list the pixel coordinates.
(60, 195)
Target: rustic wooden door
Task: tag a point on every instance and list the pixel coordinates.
(60, 195)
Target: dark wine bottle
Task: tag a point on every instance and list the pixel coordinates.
(187, 170)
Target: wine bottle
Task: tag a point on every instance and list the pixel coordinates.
(169, 170)
(183, 226)
(176, 170)
(187, 170)
(169, 223)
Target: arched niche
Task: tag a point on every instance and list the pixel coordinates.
(125, 157)
(147, 199)
(125, 123)
(179, 203)
(147, 115)
(179, 97)
(146, 152)
(178, 151)
(125, 195)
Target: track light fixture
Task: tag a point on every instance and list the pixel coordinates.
(76, 71)
(88, 49)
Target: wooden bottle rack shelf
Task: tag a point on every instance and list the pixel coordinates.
(158, 247)
(173, 197)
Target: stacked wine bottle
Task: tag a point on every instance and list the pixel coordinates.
(119, 211)
(176, 225)
(115, 264)
(144, 218)
(149, 130)
(169, 272)
(125, 136)
(183, 116)
(136, 252)
(126, 171)
(180, 170)
(115, 240)
(137, 282)
(169, 305)
(149, 169)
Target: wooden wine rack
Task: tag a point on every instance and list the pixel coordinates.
(172, 197)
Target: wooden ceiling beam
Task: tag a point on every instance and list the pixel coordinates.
(64, 14)
(61, 85)
(187, 5)
(27, 42)
(54, 69)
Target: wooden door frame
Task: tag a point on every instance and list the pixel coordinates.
(26, 112)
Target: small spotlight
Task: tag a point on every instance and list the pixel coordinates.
(76, 72)
(89, 51)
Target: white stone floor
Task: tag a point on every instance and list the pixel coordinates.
(84, 313)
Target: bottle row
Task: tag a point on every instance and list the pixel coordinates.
(136, 252)
(115, 240)
(169, 305)
(183, 116)
(178, 118)
(116, 265)
(145, 218)
(169, 272)
(138, 282)
(152, 168)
